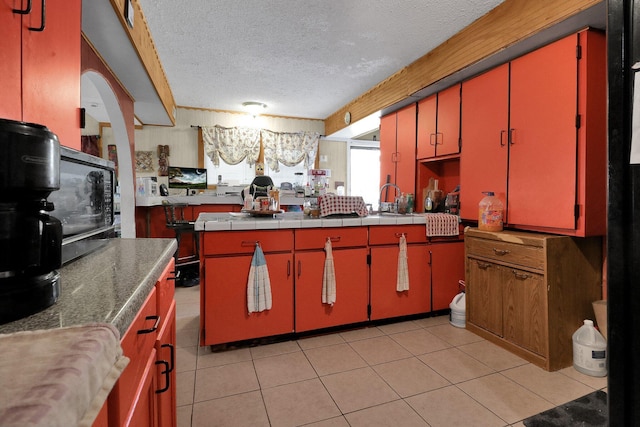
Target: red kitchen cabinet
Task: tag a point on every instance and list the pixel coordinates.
(132, 400)
(145, 393)
(555, 136)
(485, 147)
(165, 347)
(439, 124)
(386, 301)
(226, 318)
(447, 269)
(227, 260)
(398, 150)
(41, 69)
(349, 248)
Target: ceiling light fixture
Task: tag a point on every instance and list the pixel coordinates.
(254, 108)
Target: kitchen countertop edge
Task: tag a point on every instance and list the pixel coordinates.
(108, 285)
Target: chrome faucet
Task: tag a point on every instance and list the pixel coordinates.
(388, 206)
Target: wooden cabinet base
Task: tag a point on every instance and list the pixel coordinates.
(534, 358)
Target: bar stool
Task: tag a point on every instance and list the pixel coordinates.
(174, 215)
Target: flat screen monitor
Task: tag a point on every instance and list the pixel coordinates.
(189, 178)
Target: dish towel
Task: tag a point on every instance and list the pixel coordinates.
(329, 277)
(402, 283)
(442, 224)
(258, 285)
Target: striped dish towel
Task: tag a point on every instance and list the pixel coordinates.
(442, 224)
(329, 277)
(258, 284)
(402, 283)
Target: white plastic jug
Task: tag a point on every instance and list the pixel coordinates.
(589, 350)
(457, 316)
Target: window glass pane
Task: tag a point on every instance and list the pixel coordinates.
(243, 174)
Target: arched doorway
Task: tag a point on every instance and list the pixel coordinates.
(121, 137)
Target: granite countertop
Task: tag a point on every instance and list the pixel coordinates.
(108, 285)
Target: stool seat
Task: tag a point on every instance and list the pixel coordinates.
(175, 220)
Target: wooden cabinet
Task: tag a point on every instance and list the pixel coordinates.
(439, 124)
(145, 393)
(386, 301)
(41, 67)
(529, 292)
(537, 126)
(227, 261)
(398, 150)
(349, 248)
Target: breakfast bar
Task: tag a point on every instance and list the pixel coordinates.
(364, 251)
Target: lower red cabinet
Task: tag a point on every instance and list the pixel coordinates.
(226, 318)
(166, 370)
(145, 393)
(447, 269)
(352, 289)
(386, 301)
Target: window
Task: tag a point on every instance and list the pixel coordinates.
(243, 174)
(364, 170)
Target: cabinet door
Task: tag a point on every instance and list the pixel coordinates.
(485, 118)
(447, 269)
(484, 295)
(542, 162)
(386, 301)
(226, 318)
(51, 69)
(426, 138)
(166, 372)
(388, 128)
(143, 406)
(406, 150)
(10, 66)
(525, 310)
(352, 285)
(448, 121)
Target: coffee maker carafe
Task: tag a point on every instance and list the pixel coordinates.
(30, 239)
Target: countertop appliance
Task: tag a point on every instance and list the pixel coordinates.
(30, 238)
(84, 203)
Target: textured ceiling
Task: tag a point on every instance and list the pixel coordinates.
(302, 58)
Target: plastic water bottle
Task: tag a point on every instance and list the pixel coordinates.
(589, 350)
(490, 211)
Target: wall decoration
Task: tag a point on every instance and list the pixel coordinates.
(163, 160)
(144, 161)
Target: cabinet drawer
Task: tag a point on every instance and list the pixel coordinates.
(341, 237)
(165, 290)
(512, 253)
(243, 242)
(390, 235)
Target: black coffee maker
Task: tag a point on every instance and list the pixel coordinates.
(30, 239)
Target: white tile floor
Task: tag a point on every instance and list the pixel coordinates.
(414, 373)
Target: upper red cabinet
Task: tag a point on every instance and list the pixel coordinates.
(41, 65)
(534, 132)
(398, 149)
(439, 123)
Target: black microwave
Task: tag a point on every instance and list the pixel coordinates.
(84, 203)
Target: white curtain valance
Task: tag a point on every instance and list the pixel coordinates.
(233, 145)
(289, 148)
